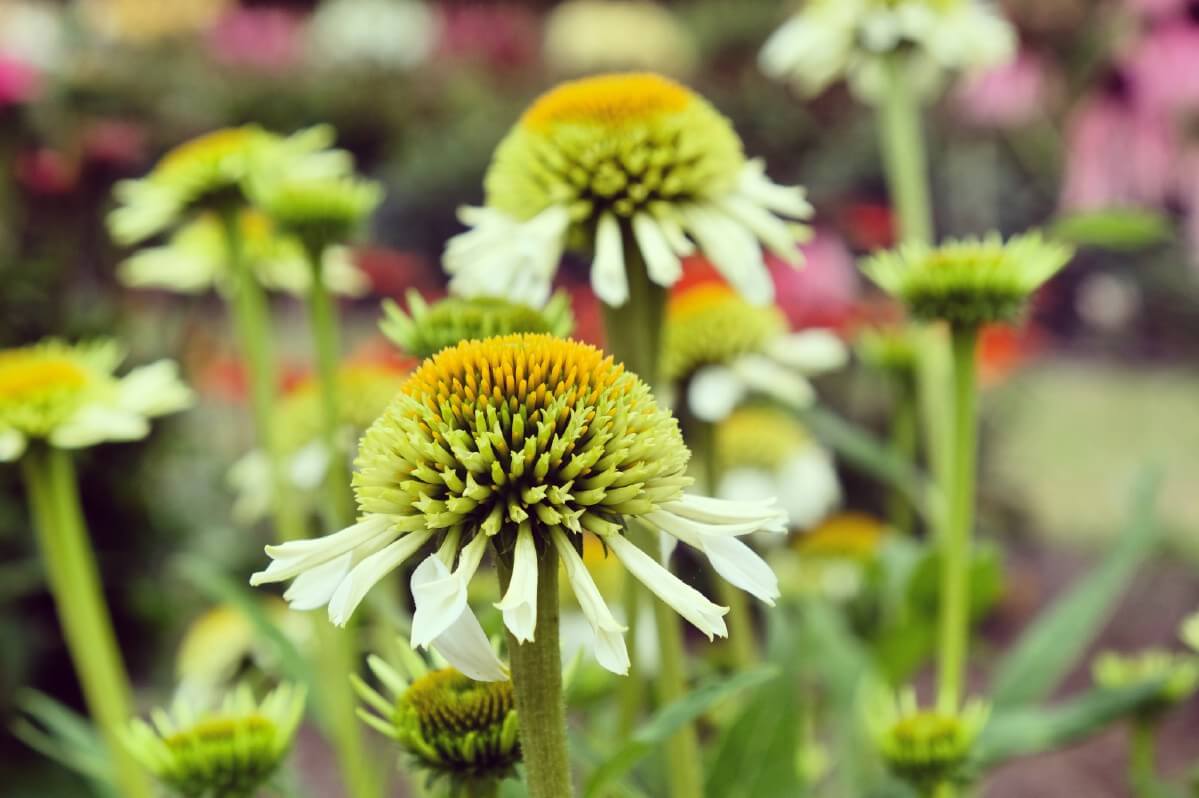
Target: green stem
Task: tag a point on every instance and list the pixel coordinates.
(955, 545)
(904, 434)
(630, 689)
(74, 580)
(904, 156)
(1142, 755)
(537, 687)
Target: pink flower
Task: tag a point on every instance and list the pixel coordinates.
(500, 34)
(1158, 8)
(1007, 96)
(266, 39)
(19, 82)
(1164, 66)
(825, 291)
(114, 142)
(1118, 152)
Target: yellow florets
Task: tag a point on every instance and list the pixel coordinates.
(848, 536)
(712, 324)
(42, 385)
(613, 100)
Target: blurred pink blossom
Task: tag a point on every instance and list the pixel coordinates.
(1164, 66)
(499, 34)
(1009, 95)
(265, 39)
(1157, 8)
(1118, 152)
(19, 82)
(115, 142)
(824, 292)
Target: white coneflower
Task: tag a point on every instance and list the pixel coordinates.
(615, 163)
(515, 445)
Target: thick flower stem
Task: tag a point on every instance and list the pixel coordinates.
(1142, 755)
(630, 692)
(537, 688)
(336, 651)
(904, 156)
(75, 584)
(955, 544)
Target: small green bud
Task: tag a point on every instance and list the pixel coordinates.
(1179, 675)
(924, 747)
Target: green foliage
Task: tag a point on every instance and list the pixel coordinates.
(1120, 229)
(66, 737)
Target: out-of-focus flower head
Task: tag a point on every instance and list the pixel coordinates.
(264, 39)
(519, 444)
(583, 36)
(19, 81)
(317, 212)
(502, 35)
(924, 747)
(32, 33)
(1177, 672)
(619, 163)
(139, 22)
(384, 34)
(725, 348)
(836, 558)
(228, 751)
(213, 171)
(427, 329)
(825, 291)
(1164, 67)
(70, 396)
(450, 726)
(764, 451)
(1009, 95)
(830, 40)
(968, 282)
(195, 259)
(364, 390)
(891, 349)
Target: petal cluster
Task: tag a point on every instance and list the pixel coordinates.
(616, 164)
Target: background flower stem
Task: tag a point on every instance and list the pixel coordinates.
(955, 548)
(904, 434)
(904, 158)
(74, 579)
(1142, 755)
(537, 686)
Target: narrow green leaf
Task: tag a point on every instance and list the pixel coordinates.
(1051, 646)
(61, 734)
(1121, 229)
(669, 720)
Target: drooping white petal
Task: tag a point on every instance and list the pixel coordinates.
(154, 390)
(366, 574)
(250, 479)
(440, 594)
(501, 256)
(519, 604)
(12, 445)
(723, 511)
(290, 559)
(688, 529)
(714, 392)
(733, 250)
(668, 223)
(790, 201)
(172, 267)
(810, 351)
(315, 587)
(608, 277)
(741, 566)
(765, 376)
(307, 467)
(93, 424)
(660, 260)
(466, 647)
(772, 231)
(610, 649)
(684, 599)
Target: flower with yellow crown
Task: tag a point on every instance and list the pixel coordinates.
(725, 349)
(514, 445)
(225, 752)
(70, 397)
(830, 40)
(623, 166)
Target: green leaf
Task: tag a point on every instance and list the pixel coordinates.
(1120, 229)
(1050, 647)
(61, 734)
(1023, 732)
(670, 719)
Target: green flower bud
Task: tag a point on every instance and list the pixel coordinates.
(1178, 673)
(924, 747)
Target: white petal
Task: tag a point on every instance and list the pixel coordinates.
(94, 424)
(466, 647)
(316, 586)
(154, 390)
(608, 277)
(660, 260)
(519, 604)
(775, 233)
(747, 483)
(765, 376)
(688, 530)
(610, 649)
(714, 392)
(504, 257)
(308, 466)
(810, 351)
(290, 559)
(684, 599)
(809, 487)
(787, 200)
(12, 445)
(741, 566)
(439, 594)
(679, 243)
(366, 574)
(723, 511)
(733, 250)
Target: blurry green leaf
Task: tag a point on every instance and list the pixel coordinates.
(1022, 732)
(63, 735)
(670, 719)
(1051, 646)
(1116, 228)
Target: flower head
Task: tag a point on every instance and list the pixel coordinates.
(450, 725)
(833, 39)
(1190, 631)
(518, 444)
(925, 747)
(891, 349)
(317, 212)
(1177, 672)
(968, 282)
(586, 36)
(427, 329)
(614, 164)
(69, 396)
(725, 348)
(228, 752)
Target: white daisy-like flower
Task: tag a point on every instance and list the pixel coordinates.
(391, 34)
(516, 445)
(69, 396)
(588, 36)
(725, 349)
(828, 40)
(615, 163)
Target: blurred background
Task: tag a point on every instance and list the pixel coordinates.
(1092, 131)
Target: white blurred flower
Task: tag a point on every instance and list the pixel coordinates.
(31, 31)
(583, 36)
(390, 34)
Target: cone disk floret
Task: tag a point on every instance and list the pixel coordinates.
(968, 282)
(427, 329)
